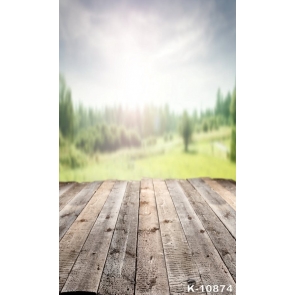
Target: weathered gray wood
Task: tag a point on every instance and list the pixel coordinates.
(72, 210)
(62, 184)
(72, 242)
(65, 187)
(69, 194)
(210, 265)
(151, 273)
(221, 208)
(119, 271)
(228, 184)
(223, 241)
(221, 191)
(180, 264)
(87, 270)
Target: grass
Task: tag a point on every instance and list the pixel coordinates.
(164, 160)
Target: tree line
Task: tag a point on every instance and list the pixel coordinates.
(113, 127)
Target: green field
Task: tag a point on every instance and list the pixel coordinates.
(207, 156)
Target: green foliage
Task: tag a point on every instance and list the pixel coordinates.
(101, 138)
(226, 108)
(136, 163)
(66, 111)
(168, 137)
(134, 139)
(86, 132)
(233, 145)
(213, 123)
(151, 141)
(186, 129)
(205, 126)
(233, 120)
(149, 121)
(233, 108)
(222, 108)
(69, 156)
(62, 141)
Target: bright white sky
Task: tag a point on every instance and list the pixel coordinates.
(137, 52)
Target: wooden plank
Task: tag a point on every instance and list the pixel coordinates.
(181, 267)
(62, 184)
(221, 208)
(65, 188)
(72, 242)
(87, 270)
(69, 194)
(211, 267)
(151, 273)
(223, 241)
(221, 191)
(228, 184)
(72, 210)
(119, 271)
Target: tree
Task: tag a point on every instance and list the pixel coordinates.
(233, 144)
(233, 107)
(186, 129)
(219, 101)
(233, 134)
(227, 106)
(66, 111)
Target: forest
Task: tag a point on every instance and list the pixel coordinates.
(85, 133)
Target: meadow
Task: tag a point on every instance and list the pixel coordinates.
(207, 156)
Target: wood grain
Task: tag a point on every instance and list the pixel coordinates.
(181, 267)
(223, 241)
(119, 271)
(149, 237)
(151, 274)
(70, 194)
(72, 210)
(72, 242)
(62, 184)
(87, 270)
(229, 185)
(222, 209)
(65, 187)
(212, 269)
(221, 191)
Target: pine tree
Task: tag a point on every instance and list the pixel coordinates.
(66, 111)
(186, 130)
(233, 134)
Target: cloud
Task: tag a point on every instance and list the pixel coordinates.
(136, 52)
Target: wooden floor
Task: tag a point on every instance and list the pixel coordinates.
(148, 237)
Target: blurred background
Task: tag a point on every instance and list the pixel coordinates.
(147, 89)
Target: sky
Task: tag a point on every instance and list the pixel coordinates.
(137, 52)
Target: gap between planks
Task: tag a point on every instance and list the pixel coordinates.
(223, 241)
(222, 209)
(118, 276)
(211, 267)
(221, 191)
(87, 270)
(73, 241)
(151, 273)
(72, 210)
(181, 267)
(156, 207)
